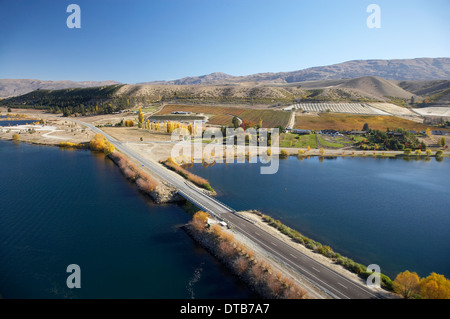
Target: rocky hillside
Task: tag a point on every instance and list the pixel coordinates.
(359, 89)
(421, 69)
(15, 87)
(118, 97)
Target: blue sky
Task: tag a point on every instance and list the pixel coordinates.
(136, 41)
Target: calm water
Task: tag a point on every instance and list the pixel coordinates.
(16, 122)
(72, 207)
(389, 212)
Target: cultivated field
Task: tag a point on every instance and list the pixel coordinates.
(219, 115)
(393, 109)
(176, 117)
(352, 108)
(355, 122)
(298, 141)
(434, 111)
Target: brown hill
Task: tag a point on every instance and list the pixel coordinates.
(15, 87)
(421, 69)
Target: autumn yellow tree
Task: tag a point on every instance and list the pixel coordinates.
(140, 118)
(15, 137)
(109, 148)
(435, 286)
(98, 142)
(199, 220)
(407, 284)
(322, 151)
(284, 154)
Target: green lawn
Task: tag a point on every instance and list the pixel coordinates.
(329, 144)
(342, 140)
(358, 138)
(150, 109)
(298, 141)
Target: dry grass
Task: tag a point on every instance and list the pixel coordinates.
(143, 181)
(267, 281)
(134, 134)
(197, 180)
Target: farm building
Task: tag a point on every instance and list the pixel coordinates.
(357, 132)
(181, 112)
(301, 132)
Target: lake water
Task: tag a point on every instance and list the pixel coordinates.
(61, 207)
(390, 212)
(16, 122)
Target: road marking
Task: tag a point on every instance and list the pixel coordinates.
(315, 269)
(217, 206)
(342, 285)
(273, 244)
(257, 234)
(302, 269)
(293, 256)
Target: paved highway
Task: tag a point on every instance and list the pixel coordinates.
(327, 279)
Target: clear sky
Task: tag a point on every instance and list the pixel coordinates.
(135, 40)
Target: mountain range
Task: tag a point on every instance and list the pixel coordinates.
(421, 69)
(367, 72)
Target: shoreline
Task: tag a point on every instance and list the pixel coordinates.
(271, 281)
(320, 253)
(363, 154)
(154, 195)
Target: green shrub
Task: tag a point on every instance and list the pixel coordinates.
(326, 251)
(284, 154)
(386, 282)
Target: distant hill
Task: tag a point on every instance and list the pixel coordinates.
(108, 99)
(92, 100)
(438, 92)
(421, 69)
(375, 87)
(15, 87)
(415, 82)
(363, 88)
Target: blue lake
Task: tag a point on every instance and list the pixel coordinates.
(61, 207)
(15, 122)
(390, 212)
